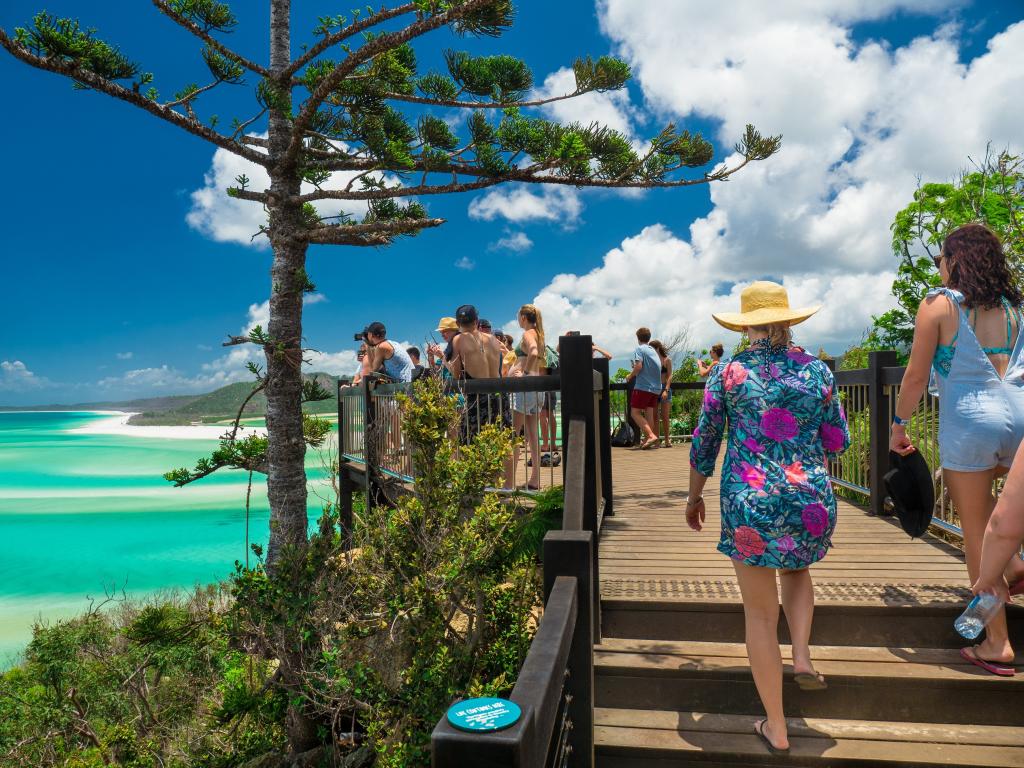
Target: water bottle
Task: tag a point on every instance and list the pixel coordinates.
(979, 613)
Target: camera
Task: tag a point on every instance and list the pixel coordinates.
(361, 336)
(572, 333)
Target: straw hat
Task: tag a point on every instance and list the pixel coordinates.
(763, 303)
(447, 324)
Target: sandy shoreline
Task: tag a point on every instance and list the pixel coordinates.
(117, 424)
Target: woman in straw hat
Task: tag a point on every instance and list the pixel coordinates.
(778, 510)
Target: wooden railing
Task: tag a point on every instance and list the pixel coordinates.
(555, 686)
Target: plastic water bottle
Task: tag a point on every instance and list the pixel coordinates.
(979, 613)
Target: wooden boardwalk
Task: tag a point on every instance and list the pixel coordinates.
(648, 551)
(672, 683)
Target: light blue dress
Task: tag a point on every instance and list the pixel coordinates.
(981, 416)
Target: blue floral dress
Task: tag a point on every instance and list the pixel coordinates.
(784, 420)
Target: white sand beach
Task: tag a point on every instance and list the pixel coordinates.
(117, 424)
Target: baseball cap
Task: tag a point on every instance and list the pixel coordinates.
(485, 324)
(466, 314)
(447, 324)
(376, 328)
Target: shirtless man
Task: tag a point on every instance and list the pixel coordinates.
(476, 355)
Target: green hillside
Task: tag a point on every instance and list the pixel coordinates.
(223, 404)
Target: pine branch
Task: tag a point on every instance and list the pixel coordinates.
(391, 192)
(384, 42)
(77, 73)
(205, 36)
(353, 29)
(369, 234)
(412, 99)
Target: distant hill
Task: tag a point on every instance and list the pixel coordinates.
(223, 404)
(154, 404)
(220, 405)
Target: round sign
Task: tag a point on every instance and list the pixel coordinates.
(484, 715)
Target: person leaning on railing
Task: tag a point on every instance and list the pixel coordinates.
(968, 333)
(784, 422)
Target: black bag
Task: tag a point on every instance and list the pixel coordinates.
(622, 437)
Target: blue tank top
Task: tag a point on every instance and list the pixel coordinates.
(399, 366)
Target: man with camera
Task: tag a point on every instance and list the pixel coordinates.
(385, 355)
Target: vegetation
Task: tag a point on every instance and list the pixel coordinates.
(435, 600)
(991, 193)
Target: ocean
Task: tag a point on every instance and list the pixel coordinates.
(86, 514)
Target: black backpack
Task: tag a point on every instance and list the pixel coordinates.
(622, 436)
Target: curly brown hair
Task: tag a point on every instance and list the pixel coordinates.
(978, 269)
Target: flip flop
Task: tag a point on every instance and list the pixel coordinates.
(993, 667)
(759, 730)
(810, 681)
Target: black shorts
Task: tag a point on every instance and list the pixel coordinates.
(481, 410)
(550, 401)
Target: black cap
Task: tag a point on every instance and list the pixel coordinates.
(484, 323)
(912, 490)
(376, 328)
(466, 314)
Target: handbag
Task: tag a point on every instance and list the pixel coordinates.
(622, 436)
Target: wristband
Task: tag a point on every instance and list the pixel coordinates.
(691, 503)
(899, 422)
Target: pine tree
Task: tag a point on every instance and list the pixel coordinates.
(355, 101)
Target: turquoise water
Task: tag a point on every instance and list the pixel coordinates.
(85, 513)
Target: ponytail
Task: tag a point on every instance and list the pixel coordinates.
(533, 315)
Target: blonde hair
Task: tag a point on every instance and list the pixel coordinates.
(779, 334)
(532, 315)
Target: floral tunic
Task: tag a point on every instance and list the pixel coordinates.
(778, 510)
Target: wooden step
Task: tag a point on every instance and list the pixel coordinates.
(898, 614)
(627, 738)
(898, 684)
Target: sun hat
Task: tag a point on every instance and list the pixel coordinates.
(763, 303)
(447, 324)
(912, 491)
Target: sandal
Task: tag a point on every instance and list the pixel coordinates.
(810, 681)
(759, 730)
(649, 443)
(1000, 668)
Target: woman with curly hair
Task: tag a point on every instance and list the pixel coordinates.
(968, 333)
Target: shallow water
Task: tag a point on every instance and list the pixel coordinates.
(84, 513)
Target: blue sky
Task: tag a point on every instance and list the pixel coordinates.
(111, 293)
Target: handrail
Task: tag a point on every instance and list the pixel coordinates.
(572, 511)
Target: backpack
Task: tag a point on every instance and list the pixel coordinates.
(551, 361)
(622, 436)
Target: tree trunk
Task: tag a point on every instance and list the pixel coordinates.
(286, 450)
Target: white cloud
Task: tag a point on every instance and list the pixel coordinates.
(518, 204)
(125, 355)
(860, 125)
(657, 279)
(465, 263)
(513, 241)
(16, 377)
(228, 220)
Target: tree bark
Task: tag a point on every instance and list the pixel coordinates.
(286, 448)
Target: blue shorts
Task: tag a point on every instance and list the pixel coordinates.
(980, 429)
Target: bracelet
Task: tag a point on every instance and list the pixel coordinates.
(691, 503)
(899, 422)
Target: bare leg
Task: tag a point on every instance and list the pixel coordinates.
(640, 417)
(761, 614)
(533, 443)
(798, 605)
(666, 410)
(971, 493)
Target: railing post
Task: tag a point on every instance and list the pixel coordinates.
(570, 553)
(604, 431)
(576, 364)
(878, 405)
(369, 440)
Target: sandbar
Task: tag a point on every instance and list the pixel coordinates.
(117, 424)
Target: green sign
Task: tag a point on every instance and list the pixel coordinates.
(484, 715)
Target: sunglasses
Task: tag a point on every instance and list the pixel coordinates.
(937, 260)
